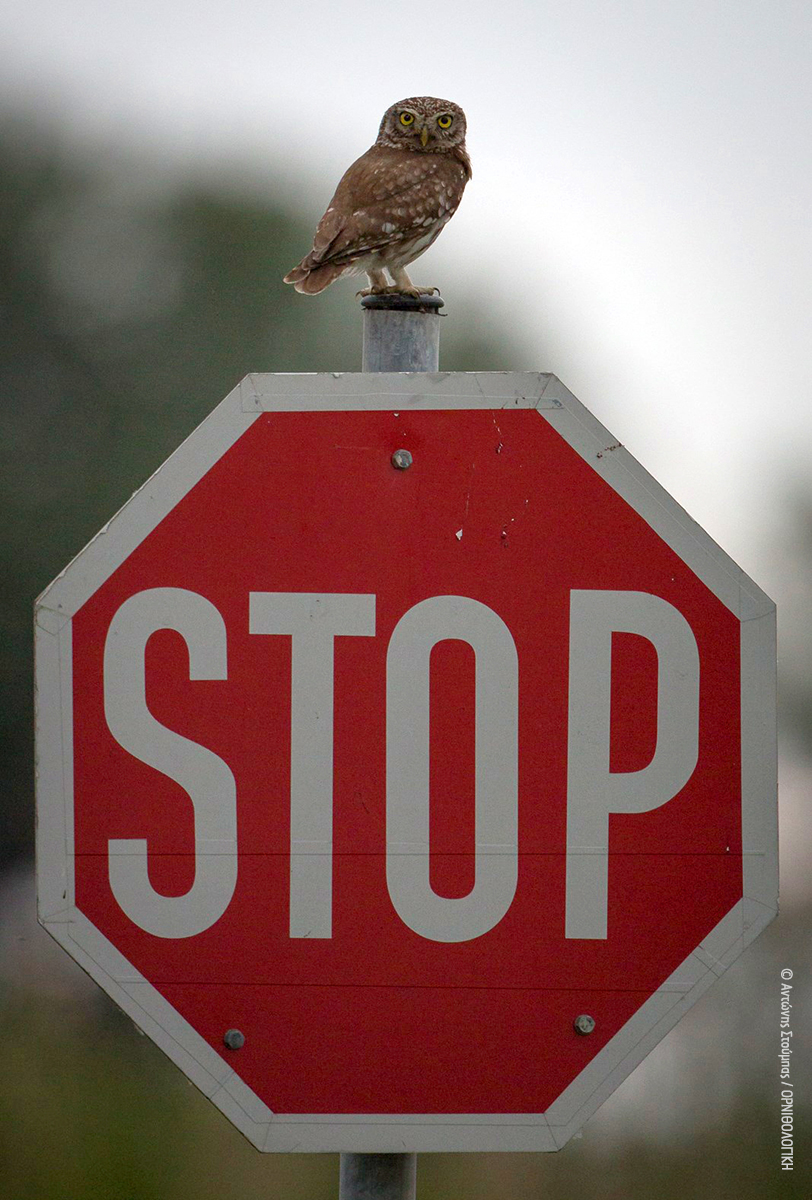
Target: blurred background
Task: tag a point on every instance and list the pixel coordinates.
(638, 223)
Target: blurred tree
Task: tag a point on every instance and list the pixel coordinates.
(90, 1110)
(127, 312)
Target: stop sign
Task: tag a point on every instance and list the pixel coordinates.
(405, 804)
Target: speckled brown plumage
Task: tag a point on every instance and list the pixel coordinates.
(393, 201)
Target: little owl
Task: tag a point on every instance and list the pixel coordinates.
(393, 201)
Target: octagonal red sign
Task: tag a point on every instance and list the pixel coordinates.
(448, 787)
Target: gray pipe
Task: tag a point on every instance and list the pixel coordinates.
(401, 333)
(378, 1177)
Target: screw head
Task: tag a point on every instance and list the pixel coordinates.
(584, 1023)
(234, 1039)
(402, 460)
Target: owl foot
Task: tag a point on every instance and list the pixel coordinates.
(393, 290)
(416, 291)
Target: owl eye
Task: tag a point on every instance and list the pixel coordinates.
(407, 118)
(444, 121)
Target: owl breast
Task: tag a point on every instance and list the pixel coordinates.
(412, 245)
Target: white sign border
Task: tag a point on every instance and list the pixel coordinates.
(212, 1072)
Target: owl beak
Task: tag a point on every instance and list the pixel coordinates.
(424, 136)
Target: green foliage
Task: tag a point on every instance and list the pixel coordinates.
(127, 315)
(91, 1110)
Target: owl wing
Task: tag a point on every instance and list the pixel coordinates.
(384, 196)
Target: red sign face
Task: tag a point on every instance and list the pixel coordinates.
(399, 772)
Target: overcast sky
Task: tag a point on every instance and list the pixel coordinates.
(639, 210)
(641, 194)
(640, 207)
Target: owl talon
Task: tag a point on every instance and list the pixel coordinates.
(394, 290)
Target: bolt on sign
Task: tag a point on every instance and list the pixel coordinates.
(406, 800)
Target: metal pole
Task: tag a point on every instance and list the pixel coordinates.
(378, 1177)
(401, 333)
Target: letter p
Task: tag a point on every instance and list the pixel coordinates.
(593, 791)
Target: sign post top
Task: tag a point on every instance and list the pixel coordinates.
(401, 333)
(470, 833)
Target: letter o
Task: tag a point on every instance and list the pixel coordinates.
(440, 918)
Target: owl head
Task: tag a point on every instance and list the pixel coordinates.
(423, 123)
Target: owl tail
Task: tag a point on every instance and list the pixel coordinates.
(312, 281)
